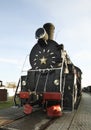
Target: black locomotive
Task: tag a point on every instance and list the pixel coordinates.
(53, 82)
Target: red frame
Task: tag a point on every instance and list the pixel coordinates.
(52, 96)
(24, 95)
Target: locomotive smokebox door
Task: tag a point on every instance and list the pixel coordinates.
(44, 56)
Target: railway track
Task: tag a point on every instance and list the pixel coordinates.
(38, 120)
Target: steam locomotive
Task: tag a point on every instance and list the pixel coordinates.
(53, 82)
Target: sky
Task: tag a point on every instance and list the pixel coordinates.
(19, 19)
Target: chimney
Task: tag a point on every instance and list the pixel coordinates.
(49, 27)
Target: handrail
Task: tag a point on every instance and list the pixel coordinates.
(16, 92)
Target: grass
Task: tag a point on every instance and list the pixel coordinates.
(6, 104)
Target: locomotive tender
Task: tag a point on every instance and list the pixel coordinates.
(54, 82)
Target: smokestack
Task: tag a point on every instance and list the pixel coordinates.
(49, 27)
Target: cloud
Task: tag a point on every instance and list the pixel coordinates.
(6, 60)
(83, 55)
